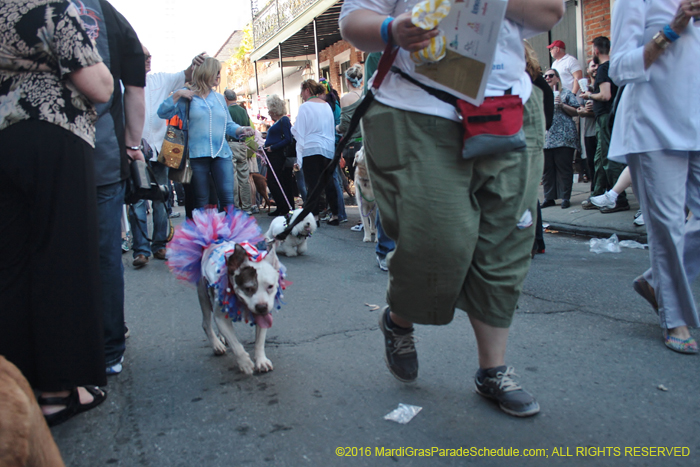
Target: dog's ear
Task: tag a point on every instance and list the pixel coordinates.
(237, 258)
(272, 258)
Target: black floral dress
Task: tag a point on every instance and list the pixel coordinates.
(563, 132)
(42, 42)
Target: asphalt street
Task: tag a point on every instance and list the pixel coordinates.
(582, 342)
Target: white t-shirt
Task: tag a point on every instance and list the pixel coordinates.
(567, 66)
(508, 71)
(314, 130)
(158, 87)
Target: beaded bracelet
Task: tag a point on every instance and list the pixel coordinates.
(385, 29)
(670, 34)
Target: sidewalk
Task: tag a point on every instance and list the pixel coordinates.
(578, 221)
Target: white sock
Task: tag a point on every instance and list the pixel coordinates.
(612, 195)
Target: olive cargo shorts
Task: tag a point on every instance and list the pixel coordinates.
(455, 222)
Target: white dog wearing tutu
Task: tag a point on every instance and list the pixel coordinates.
(235, 282)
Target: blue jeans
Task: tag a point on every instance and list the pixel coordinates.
(385, 245)
(139, 218)
(110, 199)
(221, 170)
(339, 190)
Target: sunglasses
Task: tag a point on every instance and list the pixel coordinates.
(549, 76)
(148, 56)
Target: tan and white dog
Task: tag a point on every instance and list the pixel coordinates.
(25, 439)
(296, 242)
(255, 285)
(364, 194)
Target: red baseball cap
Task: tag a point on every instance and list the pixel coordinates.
(557, 43)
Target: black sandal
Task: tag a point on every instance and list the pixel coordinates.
(72, 403)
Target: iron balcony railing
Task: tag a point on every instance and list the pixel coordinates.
(274, 16)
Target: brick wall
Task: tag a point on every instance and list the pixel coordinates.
(596, 21)
(356, 56)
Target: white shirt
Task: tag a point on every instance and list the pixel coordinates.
(314, 130)
(660, 107)
(567, 66)
(508, 71)
(158, 87)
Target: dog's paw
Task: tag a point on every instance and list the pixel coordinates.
(367, 239)
(263, 365)
(245, 364)
(219, 348)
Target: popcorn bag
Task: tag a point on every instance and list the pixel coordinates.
(427, 15)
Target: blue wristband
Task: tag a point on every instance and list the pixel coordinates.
(668, 32)
(385, 29)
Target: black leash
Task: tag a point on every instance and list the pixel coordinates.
(312, 200)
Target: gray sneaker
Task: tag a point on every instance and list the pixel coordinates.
(497, 384)
(381, 262)
(400, 351)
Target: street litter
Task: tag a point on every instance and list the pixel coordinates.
(633, 244)
(662, 387)
(574, 210)
(605, 245)
(372, 307)
(403, 414)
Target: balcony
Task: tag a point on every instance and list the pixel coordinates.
(296, 25)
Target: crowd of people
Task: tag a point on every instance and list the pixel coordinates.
(68, 196)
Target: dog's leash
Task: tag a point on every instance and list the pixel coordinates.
(383, 68)
(269, 166)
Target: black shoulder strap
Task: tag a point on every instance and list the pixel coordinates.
(440, 94)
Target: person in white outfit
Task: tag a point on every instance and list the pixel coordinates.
(568, 67)
(657, 134)
(158, 87)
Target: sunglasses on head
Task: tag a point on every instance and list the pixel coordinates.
(551, 75)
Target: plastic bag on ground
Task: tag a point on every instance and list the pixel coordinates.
(632, 244)
(403, 414)
(605, 245)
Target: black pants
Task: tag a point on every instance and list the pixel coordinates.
(591, 143)
(313, 166)
(286, 179)
(50, 316)
(558, 176)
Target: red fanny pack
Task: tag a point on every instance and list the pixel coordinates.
(494, 127)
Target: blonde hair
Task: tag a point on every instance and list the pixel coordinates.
(532, 64)
(354, 75)
(316, 89)
(203, 74)
(275, 105)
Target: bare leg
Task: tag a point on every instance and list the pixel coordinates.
(491, 342)
(624, 181)
(399, 321)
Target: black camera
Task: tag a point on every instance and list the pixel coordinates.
(142, 185)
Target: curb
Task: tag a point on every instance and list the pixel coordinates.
(597, 232)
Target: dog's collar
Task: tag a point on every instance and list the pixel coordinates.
(287, 220)
(363, 196)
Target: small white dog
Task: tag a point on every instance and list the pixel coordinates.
(254, 285)
(296, 242)
(364, 194)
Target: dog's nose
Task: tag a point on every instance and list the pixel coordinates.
(261, 309)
